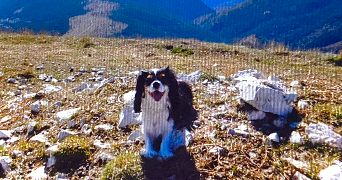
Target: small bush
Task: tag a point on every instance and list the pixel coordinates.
(73, 152)
(337, 60)
(183, 51)
(124, 166)
(86, 42)
(208, 76)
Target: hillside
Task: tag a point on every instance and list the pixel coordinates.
(107, 18)
(299, 24)
(62, 98)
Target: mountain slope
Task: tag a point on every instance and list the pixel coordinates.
(305, 24)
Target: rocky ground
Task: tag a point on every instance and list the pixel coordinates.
(62, 97)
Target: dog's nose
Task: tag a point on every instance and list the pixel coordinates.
(156, 85)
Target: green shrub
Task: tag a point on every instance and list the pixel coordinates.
(127, 165)
(208, 76)
(73, 152)
(182, 51)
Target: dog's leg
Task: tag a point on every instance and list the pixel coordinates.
(165, 147)
(149, 151)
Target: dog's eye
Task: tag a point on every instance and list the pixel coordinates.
(162, 75)
(150, 76)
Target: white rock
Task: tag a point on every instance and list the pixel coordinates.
(13, 140)
(5, 161)
(266, 98)
(71, 78)
(296, 138)
(322, 133)
(38, 174)
(105, 127)
(42, 77)
(67, 114)
(303, 104)
(239, 132)
(274, 137)
(280, 122)
(64, 134)
(216, 151)
(295, 84)
(129, 97)
(128, 117)
(298, 164)
(192, 77)
(40, 66)
(333, 172)
(247, 75)
(5, 134)
(5, 119)
(27, 96)
(50, 89)
(137, 134)
(1, 74)
(41, 137)
(101, 145)
(16, 153)
(256, 115)
(300, 176)
(31, 126)
(2, 143)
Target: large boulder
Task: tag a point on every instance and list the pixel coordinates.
(267, 95)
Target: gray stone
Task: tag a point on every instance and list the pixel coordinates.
(323, 134)
(40, 66)
(17, 93)
(12, 81)
(5, 161)
(71, 124)
(81, 87)
(5, 134)
(192, 77)
(135, 135)
(31, 127)
(100, 73)
(264, 95)
(64, 134)
(41, 137)
(35, 107)
(71, 79)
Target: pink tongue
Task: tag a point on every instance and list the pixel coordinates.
(157, 95)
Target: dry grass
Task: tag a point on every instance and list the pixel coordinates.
(250, 158)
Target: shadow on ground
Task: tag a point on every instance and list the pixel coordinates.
(180, 167)
(267, 127)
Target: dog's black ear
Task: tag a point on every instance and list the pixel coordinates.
(139, 91)
(173, 93)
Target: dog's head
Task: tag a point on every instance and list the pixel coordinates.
(156, 83)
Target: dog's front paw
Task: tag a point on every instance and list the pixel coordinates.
(149, 154)
(166, 154)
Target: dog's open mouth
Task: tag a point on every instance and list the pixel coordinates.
(157, 95)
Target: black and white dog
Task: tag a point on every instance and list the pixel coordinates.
(166, 105)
